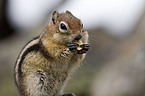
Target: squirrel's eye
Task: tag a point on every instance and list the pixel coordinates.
(63, 27)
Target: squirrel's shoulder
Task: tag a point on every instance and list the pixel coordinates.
(32, 45)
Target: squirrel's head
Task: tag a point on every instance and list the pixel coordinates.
(65, 28)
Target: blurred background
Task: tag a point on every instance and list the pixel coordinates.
(115, 63)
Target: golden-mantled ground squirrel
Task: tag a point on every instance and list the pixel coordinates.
(45, 63)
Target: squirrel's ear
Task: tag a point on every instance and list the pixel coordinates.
(68, 12)
(54, 16)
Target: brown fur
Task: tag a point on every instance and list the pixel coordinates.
(53, 62)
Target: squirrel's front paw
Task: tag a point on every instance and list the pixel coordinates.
(69, 94)
(85, 48)
(73, 47)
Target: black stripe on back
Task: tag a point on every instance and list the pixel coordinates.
(34, 47)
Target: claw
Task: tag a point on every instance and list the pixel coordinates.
(73, 47)
(85, 48)
(42, 77)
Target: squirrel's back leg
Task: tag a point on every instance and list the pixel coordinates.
(39, 84)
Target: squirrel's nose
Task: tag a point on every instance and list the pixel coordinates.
(78, 37)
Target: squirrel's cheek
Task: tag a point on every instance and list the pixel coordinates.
(70, 39)
(56, 36)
